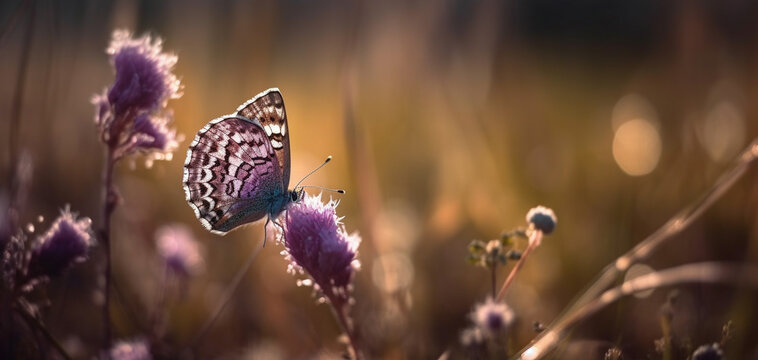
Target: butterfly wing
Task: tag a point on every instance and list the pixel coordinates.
(268, 108)
(231, 173)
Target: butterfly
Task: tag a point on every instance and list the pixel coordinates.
(238, 166)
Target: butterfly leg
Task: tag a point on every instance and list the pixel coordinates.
(265, 231)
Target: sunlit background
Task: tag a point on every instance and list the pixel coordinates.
(447, 121)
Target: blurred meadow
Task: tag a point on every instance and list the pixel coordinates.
(447, 121)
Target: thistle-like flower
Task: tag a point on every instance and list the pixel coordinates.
(492, 318)
(179, 249)
(131, 114)
(66, 242)
(317, 244)
(144, 80)
(130, 350)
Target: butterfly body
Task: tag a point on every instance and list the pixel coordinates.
(237, 167)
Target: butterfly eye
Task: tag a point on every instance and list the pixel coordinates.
(293, 195)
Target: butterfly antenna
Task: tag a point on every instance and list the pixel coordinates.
(339, 191)
(328, 159)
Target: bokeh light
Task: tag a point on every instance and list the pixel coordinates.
(446, 120)
(722, 132)
(637, 147)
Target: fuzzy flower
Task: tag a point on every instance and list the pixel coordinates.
(316, 243)
(542, 218)
(130, 350)
(708, 352)
(144, 78)
(492, 318)
(66, 242)
(179, 249)
(131, 113)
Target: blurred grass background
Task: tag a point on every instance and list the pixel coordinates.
(447, 121)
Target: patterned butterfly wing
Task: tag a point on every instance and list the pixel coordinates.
(231, 173)
(268, 108)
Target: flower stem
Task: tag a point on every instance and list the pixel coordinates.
(109, 204)
(34, 322)
(494, 279)
(534, 238)
(339, 309)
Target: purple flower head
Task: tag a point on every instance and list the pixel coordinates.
(542, 218)
(66, 242)
(708, 352)
(130, 350)
(316, 243)
(152, 135)
(491, 317)
(131, 114)
(179, 250)
(144, 78)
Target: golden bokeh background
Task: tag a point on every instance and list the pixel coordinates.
(447, 121)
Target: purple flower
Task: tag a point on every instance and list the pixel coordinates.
(316, 243)
(144, 80)
(542, 218)
(66, 242)
(131, 114)
(130, 350)
(178, 249)
(492, 318)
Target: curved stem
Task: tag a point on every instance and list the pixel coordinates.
(534, 238)
(707, 272)
(674, 226)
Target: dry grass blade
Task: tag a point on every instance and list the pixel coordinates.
(707, 272)
(646, 247)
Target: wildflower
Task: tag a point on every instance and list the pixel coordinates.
(130, 350)
(144, 80)
(316, 243)
(131, 114)
(492, 317)
(179, 249)
(708, 352)
(542, 218)
(66, 242)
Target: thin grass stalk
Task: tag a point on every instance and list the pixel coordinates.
(230, 290)
(705, 272)
(534, 238)
(674, 226)
(37, 325)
